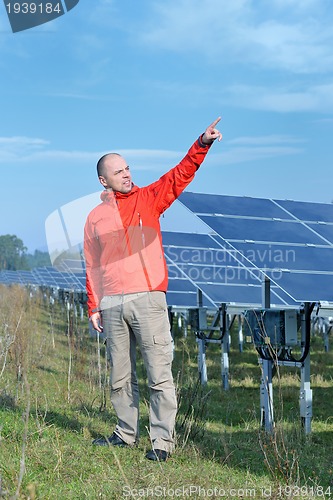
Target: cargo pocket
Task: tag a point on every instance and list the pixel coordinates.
(163, 347)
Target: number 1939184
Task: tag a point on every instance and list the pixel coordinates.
(34, 8)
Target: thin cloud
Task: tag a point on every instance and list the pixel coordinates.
(13, 148)
(81, 96)
(25, 150)
(232, 156)
(19, 141)
(264, 140)
(21, 150)
(290, 37)
(314, 98)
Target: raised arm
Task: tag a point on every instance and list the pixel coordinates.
(172, 184)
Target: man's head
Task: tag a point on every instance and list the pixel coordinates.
(113, 173)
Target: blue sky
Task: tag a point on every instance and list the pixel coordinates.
(145, 78)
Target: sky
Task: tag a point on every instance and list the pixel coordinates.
(144, 79)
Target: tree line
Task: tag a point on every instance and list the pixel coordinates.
(14, 255)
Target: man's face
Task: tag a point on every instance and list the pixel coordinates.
(117, 175)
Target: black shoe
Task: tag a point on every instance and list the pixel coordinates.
(157, 455)
(113, 440)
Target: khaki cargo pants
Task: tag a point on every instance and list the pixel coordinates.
(141, 318)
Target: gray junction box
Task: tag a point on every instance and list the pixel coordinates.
(274, 327)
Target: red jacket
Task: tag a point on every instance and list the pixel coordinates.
(122, 236)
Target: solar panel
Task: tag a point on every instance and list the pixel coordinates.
(308, 211)
(231, 205)
(274, 231)
(324, 230)
(217, 269)
(269, 238)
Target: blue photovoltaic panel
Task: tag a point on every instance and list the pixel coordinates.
(306, 285)
(325, 230)
(233, 294)
(307, 211)
(200, 256)
(294, 247)
(215, 270)
(189, 240)
(268, 256)
(232, 205)
(180, 284)
(188, 300)
(232, 228)
(181, 292)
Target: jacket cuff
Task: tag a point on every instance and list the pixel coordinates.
(202, 144)
(93, 311)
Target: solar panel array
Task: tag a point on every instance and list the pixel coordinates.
(240, 241)
(290, 242)
(45, 276)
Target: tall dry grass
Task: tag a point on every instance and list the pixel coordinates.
(18, 321)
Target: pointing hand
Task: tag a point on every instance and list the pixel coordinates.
(211, 133)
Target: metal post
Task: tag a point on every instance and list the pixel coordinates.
(266, 293)
(182, 324)
(266, 396)
(325, 335)
(224, 321)
(185, 324)
(202, 367)
(240, 333)
(266, 386)
(199, 298)
(202, 360)
(305, 396)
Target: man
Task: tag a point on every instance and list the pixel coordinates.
(126, 288)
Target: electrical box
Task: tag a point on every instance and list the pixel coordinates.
(274, 327)
(198, 318)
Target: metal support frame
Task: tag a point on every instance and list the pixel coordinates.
(221, 324)
(240, 333)
(305, 395)
(266, 396)
(225, 345)
(326, 339)
(266, 386)
(182, 324)
(201, 339)
(202, 367)
(325, 329)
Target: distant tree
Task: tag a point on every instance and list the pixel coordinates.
(38, 259)
(12, 253)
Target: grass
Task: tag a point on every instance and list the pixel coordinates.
(54, 399)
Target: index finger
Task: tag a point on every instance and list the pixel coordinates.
(215, 122)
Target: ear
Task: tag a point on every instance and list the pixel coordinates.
(102, 181)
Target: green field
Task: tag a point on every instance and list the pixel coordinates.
(54, 399)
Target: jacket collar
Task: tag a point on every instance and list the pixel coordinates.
(109, 195)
